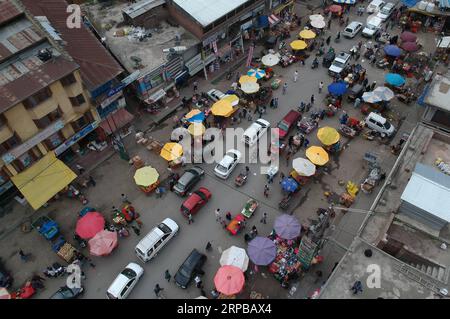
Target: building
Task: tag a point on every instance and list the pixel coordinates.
(406, 229)
(436, 100)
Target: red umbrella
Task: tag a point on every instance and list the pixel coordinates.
(103, 243)
(229, 280)
(335, 8)
(89, 225)
(410, 46)
(408, 36)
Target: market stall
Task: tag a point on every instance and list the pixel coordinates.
(286, 265)
(172, 153)
(147, 179)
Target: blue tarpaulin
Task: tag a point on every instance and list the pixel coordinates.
(263, 21)
(410, 3)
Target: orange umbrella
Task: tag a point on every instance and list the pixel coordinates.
(229, 280)
(103, 243)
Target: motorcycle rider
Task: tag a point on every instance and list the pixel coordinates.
(315, 63)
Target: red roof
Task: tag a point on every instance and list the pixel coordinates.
(8, 11)
(116, 121)
(97, 66)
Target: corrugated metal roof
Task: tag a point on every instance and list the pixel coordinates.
(439, 93)
(33, 81)
(96, 63)
(8, 11)
(429, 190)
(141, 7)
(208, 11)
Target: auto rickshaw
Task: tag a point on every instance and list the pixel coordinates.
(356, 91)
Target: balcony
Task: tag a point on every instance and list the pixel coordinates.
(42, 109)
(5, 132)
(73, 89)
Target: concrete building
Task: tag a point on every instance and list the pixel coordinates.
(406, 228)
(436, 100)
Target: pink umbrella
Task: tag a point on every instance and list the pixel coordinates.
(89, 225)
(410, 46)
(408, 36)
(229, 280)
(103, 243)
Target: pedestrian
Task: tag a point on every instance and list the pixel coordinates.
(124, 199)
(285, 88)
(157, 290)
(295, 76)
(195, 86)
(228, 215)
(328, 27)
(266, 190)
(372, 87)
(217, 213)
(312, 99)
(208, 246)
(308, 107)
(328, 40)
(254, 231)
(357, 287)
(138, 222)
(320, 87)
(198, 282)
(306, 143)
(270, 178)
(190, 219)
(281, 177)
(365, 82)
(302, 61)
(80, 169)
(167, 275)
(264, 218)
(23, 256)
(357, 103)
(347, 20)
(302, 106)
(136, 230)
(276, 102)
(91, 181)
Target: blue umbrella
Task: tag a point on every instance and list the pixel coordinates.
(289, 185)
(394, 79)
(345, 1)
(337, 88)
(392, 50)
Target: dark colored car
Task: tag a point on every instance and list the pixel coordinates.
(355, 92)
(189, 178)
(327, 59)
(190, 267)
(5, 276)
(285, 125)
(195, 201)
(67, 293)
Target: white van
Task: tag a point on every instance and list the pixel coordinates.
(156, 239)
(375, 6)
(373, 26)
(378, 123)
(255, 131)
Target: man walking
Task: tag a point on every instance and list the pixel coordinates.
(328, 39)
(190, 219)
(295, 76)
(217, 213)
(157, 290)
(125, 199)
(320, 87)
(195, 86)
(306, 143)
(284, 88)
(312, 99)
(167, 275)
(266, 190)
(80, 169)
(264, 218)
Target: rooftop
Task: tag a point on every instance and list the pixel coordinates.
(439, 92)
(136, 9)
(124, 41)
(97, 66)
(397, 280)
(206, 12)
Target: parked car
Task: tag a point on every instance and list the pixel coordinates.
(125, 282)
(328, 59)
(339, 64)
(378, 123)
(386, 11)
(5, 276)
(352, 29)
(156, 239)
(215, 95)
(195, 201)
(375, 6)
(190, 268)
(372, 27)
(286, 124)
(255, 131)
(189, 178)
(67, 293)
(227, 164)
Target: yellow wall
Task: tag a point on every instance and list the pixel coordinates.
(42, 109)
(5, 133)
(19, 121)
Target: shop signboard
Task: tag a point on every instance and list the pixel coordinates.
(75, 138)
(111, 99)
(156, 96)
(36, 139)
(247, 25)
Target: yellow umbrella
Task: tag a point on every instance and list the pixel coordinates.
(233, 99)
(196, 129)
(317, 155)
(328, 135)
(298, 45)
(250, 87)
(246, 78)
(146, 176)
(221, 108)
(171, 151)
(307, 34)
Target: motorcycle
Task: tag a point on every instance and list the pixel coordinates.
(54, 270)
(382, 64)
(315, 64)
(75, 193)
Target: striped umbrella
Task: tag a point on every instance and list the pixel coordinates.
(257, 73)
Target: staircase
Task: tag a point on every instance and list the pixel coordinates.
(435, 272)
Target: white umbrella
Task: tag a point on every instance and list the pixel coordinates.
(303, 166)
(371, 97)
(319, 24)
(235, 256)
(270, 59)
(384, 93)
(316, 17)
(74, 279)
(250, 87)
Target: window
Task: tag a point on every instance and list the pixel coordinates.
(77, 100)
(54, 141)
(82, 121)
(10, 143)
(68, 80)
(26, 159)
(48, 119)
(37, 98)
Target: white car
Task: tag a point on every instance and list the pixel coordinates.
(339, 63)
(375, 6)
(125, 282)
(215, 95)
(255, 131)
(386, 11)
(227, 164)
(352, 29)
